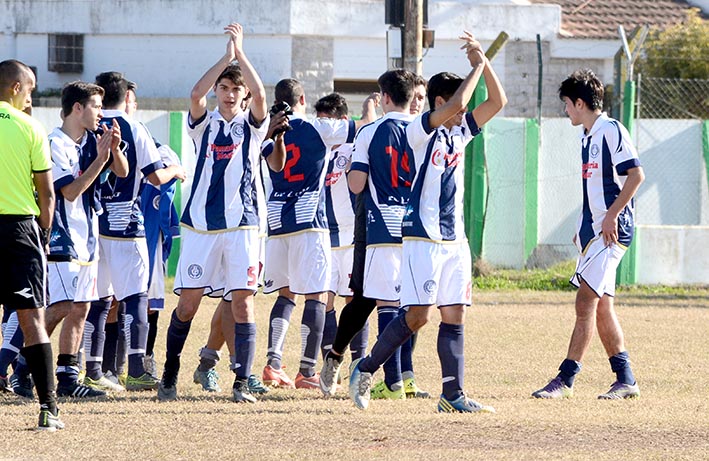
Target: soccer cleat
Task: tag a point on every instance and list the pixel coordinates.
(276, 378)
(360, 386)
(330, 375)
(619, 391)
(111, 377)
(556, 389)
(256, 386)
(307, 382)
(22, 385)
(381, 391)
(208, 379)
(5, 384)
(103, 384)
(412, 390)
(49, 422)
(144, 382)
(241, 393)
(149, 365)
(462, 405)
(80, 391)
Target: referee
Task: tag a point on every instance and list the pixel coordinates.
(25, 221)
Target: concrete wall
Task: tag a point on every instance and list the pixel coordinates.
(672, 255)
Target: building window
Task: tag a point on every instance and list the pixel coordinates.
(66, 53)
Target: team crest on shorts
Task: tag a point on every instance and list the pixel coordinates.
(156, 202)
(429, 286)
(75, 281)
(595, 150)
(237, 130)
(195, 271)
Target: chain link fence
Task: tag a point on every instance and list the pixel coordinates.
(673, 98)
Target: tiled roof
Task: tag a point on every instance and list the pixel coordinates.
(599, 19)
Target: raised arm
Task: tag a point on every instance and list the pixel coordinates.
(496, 97)
(253, 81)
(369, 110)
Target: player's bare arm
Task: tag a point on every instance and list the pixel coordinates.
(357, 180)
(459, 101)
(167, 174)
(496, 97)
(119, 165)
(609, 228)
(253, 81)
(277, 160)
(43, 183)
(369, 110)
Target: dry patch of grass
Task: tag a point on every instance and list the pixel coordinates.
(515, 341)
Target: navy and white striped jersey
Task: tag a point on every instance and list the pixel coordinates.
(607, 153)
(120, 197)
(227, 174)
(297, 198)
(382, 152)
(75, 226)
(435, 210)
(339, 201)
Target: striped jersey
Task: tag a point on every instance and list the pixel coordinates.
(339, 201)
(435, 210)
(297, 198)
(607, 153)
(227, 174)
(75, 224)
(120, 197)
(382, 152)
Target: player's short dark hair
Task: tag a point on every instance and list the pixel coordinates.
(115, 87)
(80, 92)
(289, 90)
(12, 71)
(399, 84)
(583, 84)
(132, 86)
(333, 105)
(232, 73)
(443, 84)
(419, 80)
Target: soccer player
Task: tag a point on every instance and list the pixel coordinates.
(219, 254)
(298, 247)
(122, 241)
(79, 156)
(436, 265)
(25, 224)
(611, 175)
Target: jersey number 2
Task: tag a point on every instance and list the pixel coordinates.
(287, 174)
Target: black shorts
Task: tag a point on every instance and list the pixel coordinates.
(360, 245)
(23, 269)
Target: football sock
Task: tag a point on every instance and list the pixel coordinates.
(620, 364)
(568, 371)
(39, 362)
(352, 319)
(95, 337)
(109, 348)
(244, 349)
(389, 340)
(407, 350)
(451, 353)
(392, 366)
(277, 329)
(136, 331)
(122, 345)
(329, 331)
(311, 331)
(153, 317)
(12, 341)
(358, 345)
(176, 336)
(208, 359)
(67, 369)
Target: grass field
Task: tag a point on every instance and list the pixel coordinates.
(514, 342)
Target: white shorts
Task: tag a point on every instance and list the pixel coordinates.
(122, 267)
(597, 266)
(218, 262)
(435, 273)
(382, 273)
(156, 290)
(341, 270)
(71, 281)
(300, 261)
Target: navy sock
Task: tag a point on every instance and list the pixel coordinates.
(568, 371)
(329, 331)
(176, 336)
(21, 368)
(358, 345)
(389, 340)
(311, 330)
(620, 364)
(244, 349)
(67, 370)
(451, 353)
(352, 319)
(13, 339)
(95, 337)
(407, 350)
(39, 363)
(122, 344)
(109, 348)
(136, 331)
(392, 366)
(277, 329)
(153, 317)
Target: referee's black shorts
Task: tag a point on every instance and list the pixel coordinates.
(23, 269)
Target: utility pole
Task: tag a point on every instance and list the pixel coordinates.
(413, 35)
